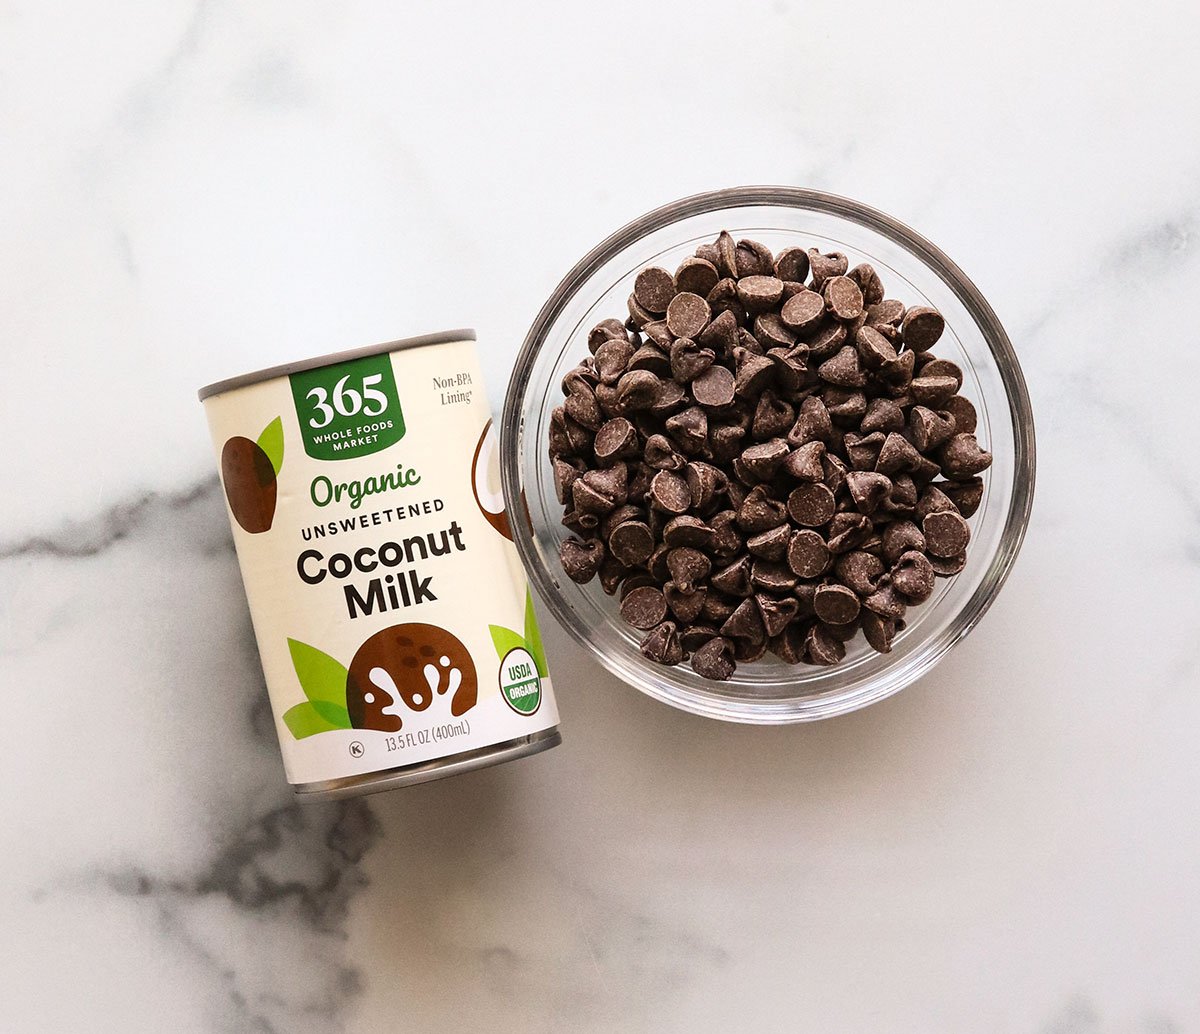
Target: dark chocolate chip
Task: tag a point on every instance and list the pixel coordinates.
(686, 605)
(687, 315)
(687, 566)
(644, 607)
(843, 297)
(760, 512)
(689, 359)
(946, 533)
(792, 264)
(776, 613)
(654, 288)
(836, 604)
(807, 554)
(733, 579)
(759, 293)
(811, 505)
(822, 647)
(714, 387)
(962, 458)
(631, 543)
(879, 632)
(770, 545)
(696, 276)
(661, 645)
(912, 576)
(803, 311)
(804, 463)
(745, 623)
(860, 571)
(581, 559)
(714, 660)
(868, 489)
(615, 440)
(921, 328)
(966, 495)
(669, 492)
(928, 428)
(900, 537)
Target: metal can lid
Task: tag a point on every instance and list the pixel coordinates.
(286, 369)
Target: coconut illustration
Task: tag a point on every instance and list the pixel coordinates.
(485, 481)
(250, 474)
(408, 667)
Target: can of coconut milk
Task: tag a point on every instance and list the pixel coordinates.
(394, 623)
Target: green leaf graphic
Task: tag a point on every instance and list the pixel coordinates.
(504, 639)
(533, 637)
(314, 716)
(271, 442)
(322, 678)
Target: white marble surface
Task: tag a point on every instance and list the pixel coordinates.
(195, 187)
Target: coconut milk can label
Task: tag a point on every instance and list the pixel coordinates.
(349, 409)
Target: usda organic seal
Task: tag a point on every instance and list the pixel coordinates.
(519, 682)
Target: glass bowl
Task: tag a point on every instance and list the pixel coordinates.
(770, 691)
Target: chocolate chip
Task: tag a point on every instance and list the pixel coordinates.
(874, 349)
(773, 577)
(848, 531)
(772, 417)
(825, 266)
(899, 537)
(733, 579)
(962, 458)
(727, 254)
(689, 429)
(765, 458)
(687, 530)
(760, 511)
(689, 359)
(726, 540)
(696, 276)
(662, 646)
(843, 297)
(687, 566)
(859, 571)
(693, 637)
(868, 489)
(636, 390)
(581, 559)
(606, 330)
(946, 533)
(721, 334)
(946, 567)
(565, 474)
(964, 414)
(921, 328)
(811, 505)
(869, 283)
(772, 332)
(933, 392)
(745, 623)
(759, 293)
(616, 439)
(807, 554)
(912, 576)
(884, 601)
(714, 387)
(836, 604)
(863, 450)
(754, 373)
(887, 313)
(822, 647)
(705, 483)
(654, 288)
(644, 607)
(631, 543)
(652, 359)
(929, 428)
(776, 614)
(669, 492)
(792, 264)
(846, 406)
(966, 495)
(714, 660)
(844, 369)
(687, 604)
(639, 315)
(661, 454)
(687, 314)
(880, 632)
(803, 311)
(812, 424)
(804, 463)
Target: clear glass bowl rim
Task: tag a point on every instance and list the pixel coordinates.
(981, 312)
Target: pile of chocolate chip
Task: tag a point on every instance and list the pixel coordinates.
(765, 455)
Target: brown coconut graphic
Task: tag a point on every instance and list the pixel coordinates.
(408, 666)
(485, 481)
(250, 473)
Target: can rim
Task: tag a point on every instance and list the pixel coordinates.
(286, 369)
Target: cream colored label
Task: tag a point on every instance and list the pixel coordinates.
(391, 612)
